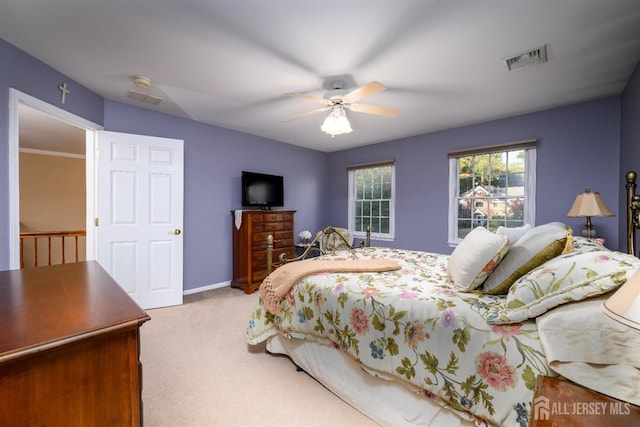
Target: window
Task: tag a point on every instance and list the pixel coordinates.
(491, 187)
(371, 200)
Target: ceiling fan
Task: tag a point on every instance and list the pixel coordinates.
(338, 99)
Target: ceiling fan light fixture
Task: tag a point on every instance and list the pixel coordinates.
(336, 122)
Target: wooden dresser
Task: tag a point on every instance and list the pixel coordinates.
(559, 403)
(250, 245)
(69, 348)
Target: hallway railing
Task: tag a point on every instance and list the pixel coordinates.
(58, 245)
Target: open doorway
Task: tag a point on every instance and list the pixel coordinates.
(41, 136)
(52, 189)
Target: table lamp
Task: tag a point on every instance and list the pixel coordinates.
(589, 204)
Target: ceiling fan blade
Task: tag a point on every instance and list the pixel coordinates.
(310, 98)
(309, 113)
(373, 109)
(362, 92)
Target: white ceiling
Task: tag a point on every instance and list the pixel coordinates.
(231, 62)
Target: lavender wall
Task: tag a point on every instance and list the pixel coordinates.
(629, 141)
(214, 160)
(578, 148)
(28, 75)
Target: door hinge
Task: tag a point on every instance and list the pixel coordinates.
(96, 221)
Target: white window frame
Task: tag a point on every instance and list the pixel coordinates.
(529, 191)
(392, 203)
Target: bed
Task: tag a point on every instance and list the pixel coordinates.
(418, 338)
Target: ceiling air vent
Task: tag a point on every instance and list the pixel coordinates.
(139, 96)
(534, 56)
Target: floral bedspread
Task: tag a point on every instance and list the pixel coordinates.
(415, 327)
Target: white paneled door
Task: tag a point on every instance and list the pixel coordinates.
(140, 215)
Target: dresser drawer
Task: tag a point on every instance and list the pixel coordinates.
(273, 217)
(285, 242)
(258, 276)
(259, 259)
(268, 226)
(257, 217)
(259, 240)
(288, 218)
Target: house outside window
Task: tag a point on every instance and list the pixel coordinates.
(491, 187)
(372, 200)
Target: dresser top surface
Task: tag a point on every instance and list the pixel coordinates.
(44, 305)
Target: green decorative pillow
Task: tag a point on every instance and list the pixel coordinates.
(570, 277)
(476, 257)
(537, 246)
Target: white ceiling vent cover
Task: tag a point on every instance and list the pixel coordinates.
(139, 96)
(534, 56)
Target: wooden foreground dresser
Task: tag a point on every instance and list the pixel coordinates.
(69, 348)
(559, 403)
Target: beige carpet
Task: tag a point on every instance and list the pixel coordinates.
(199, 371)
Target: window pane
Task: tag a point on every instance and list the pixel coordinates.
(375, 208)
(367, 190)
(365, 223)
(375, 225)
(386, 190)
(377, 194)
(384, 225)
(384, 208)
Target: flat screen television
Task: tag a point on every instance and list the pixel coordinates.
(262, 190)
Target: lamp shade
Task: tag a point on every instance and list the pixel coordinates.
(624, 304)
(336, 122)
(588, 204)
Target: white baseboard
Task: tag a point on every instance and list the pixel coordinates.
(207, 288)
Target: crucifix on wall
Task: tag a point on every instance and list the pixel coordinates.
(65, 91)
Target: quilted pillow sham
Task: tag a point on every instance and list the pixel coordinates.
(537, 246)
(582, 244)
(475, 258)
(569, 277)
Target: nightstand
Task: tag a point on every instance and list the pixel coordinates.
(301, 247)
(559, 403)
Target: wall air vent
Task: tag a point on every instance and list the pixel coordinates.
(139, 96)
(534, 56)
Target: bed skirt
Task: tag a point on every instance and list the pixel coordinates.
(385, 402)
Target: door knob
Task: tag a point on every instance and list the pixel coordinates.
(177, 231)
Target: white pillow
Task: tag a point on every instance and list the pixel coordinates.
(513, 233)
(475, 257)
(585, 346)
